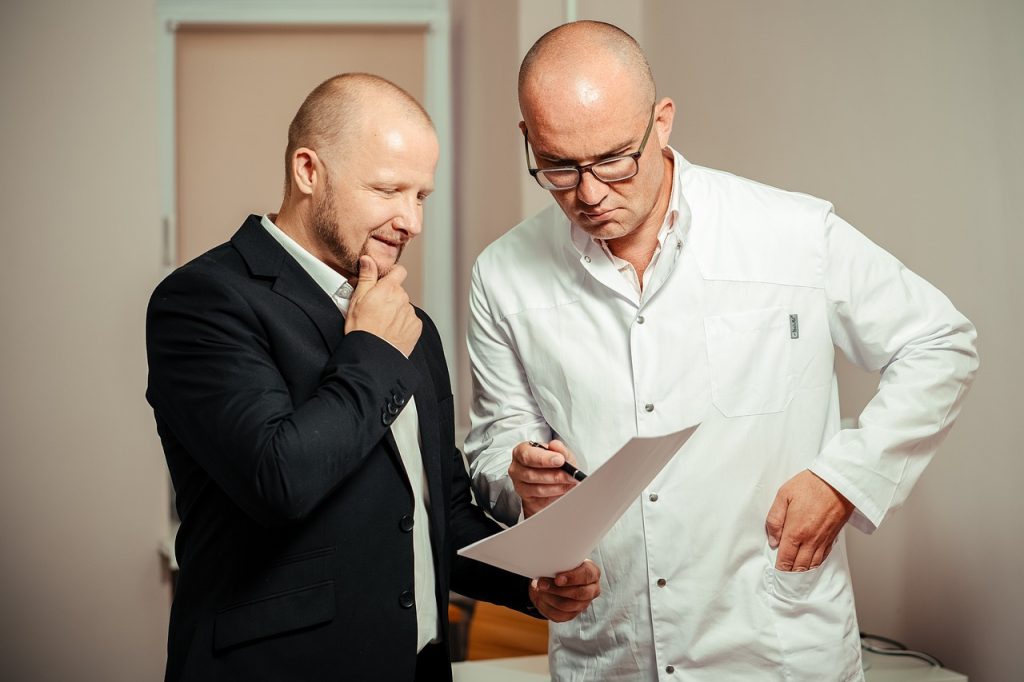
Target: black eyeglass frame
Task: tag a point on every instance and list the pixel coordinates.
(589, 168)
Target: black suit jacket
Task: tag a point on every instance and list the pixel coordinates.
(295, 547)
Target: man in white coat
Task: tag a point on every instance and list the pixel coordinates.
(657, 294)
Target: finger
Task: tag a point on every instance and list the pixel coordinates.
(828, 549)
(804, 557)
(534, 491)
(556, 615)
(533, 475)
(820, 554)
(776, 520)
(788, 549)
(564, 604)
(367, 272)
(559, 447)
(396, 275)
(530, 456)
(579, 593)
(584, 574)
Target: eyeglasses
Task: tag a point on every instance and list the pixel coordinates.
(611, 169)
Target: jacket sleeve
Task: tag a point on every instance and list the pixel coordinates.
(503, 413)
(888, 320)
(472, 578)
(215, 386)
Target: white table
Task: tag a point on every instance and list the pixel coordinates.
(535, 669)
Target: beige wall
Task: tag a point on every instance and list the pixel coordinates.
(83, 501)
(908, 117)
(488, 145)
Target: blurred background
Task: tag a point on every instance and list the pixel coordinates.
(137, 133)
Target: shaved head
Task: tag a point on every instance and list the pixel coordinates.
(335, 112)
(581, 46)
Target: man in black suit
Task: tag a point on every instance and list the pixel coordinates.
(306, 414)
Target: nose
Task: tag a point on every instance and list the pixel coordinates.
(410, 219)
(591, 191)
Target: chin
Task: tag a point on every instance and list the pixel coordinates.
(606, 230)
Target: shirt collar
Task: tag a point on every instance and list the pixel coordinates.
(331, 281)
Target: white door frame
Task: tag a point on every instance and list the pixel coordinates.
(432, 15)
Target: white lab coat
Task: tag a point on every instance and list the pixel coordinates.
(738, 332)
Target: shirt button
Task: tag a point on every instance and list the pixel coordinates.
(649, 407)
(662, 582)
(586, 258)
(406, 523)
(670, 669)
(405, 600)
(653, 497)
(640, 319)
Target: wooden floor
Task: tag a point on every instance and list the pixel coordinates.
(497, 632)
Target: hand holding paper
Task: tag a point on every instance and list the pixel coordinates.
(563, 533)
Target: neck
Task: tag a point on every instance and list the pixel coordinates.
(294, 221)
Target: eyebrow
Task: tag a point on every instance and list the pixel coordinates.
(615, 151)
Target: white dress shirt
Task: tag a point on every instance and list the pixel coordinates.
(736, 327)
(406, 431)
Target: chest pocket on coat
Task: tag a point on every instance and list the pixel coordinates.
(751, 356)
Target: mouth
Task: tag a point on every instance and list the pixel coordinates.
(598, 216)
(394, 243)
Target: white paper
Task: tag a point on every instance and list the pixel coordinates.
(563, 534)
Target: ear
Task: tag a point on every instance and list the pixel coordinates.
(664, 115)
(522, 126)
(307, 170)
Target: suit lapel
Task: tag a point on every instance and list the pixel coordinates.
(267, 259)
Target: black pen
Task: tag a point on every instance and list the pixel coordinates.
(566, 467)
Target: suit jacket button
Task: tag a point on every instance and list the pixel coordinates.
(386, 417)
(406, 524)
(405, 600)
(394, 409)
(399, 399)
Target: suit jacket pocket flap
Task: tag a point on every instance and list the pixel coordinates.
(274, 614)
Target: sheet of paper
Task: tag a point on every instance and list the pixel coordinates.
(563, 534)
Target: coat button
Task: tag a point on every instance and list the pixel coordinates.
(653, 497)
(649, 407)
(640, 319)
(405, 600)
(399, 399)
(406, 523)
(662, 582)
(670, 669)
(394, 409)
(387, 418)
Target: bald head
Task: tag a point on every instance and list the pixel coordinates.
(582, 58)
(336, 111)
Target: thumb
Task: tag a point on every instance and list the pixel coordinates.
(367, 273)
(776, 520)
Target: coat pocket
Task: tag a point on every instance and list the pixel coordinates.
(749, 354)
(815, 619)
(274, 614)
